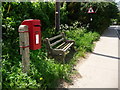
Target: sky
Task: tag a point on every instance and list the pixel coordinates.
(117, 0)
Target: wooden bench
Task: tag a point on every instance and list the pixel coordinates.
(58, 46)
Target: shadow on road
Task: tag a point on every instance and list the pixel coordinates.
(105, 55)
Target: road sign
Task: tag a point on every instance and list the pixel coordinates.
(90, 10)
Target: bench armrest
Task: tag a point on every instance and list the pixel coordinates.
(70, 41)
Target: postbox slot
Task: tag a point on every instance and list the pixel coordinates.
(36, 31)
(37, 25)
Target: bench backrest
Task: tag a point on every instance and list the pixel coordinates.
(51, 42)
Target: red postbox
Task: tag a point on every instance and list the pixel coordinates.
(34, 27)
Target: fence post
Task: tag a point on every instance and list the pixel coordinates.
(24, 47)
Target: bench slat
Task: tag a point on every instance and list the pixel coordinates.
(68, 46)
(56, 42)
(63, 46)
(60, 45)
(55, 37)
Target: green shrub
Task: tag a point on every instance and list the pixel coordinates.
(118, 18)
(83, 39)
(44, 73)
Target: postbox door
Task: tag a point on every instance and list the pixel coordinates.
(37, 36)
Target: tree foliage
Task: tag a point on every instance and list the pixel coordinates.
(101, 19)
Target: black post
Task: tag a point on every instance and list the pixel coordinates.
(57, 16)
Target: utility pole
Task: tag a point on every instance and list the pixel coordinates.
(57, 16)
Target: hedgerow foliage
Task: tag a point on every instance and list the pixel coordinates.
(104, 11)
(118, 19)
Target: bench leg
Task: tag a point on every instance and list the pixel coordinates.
(63, 58)
(49, 55)
(72, 48)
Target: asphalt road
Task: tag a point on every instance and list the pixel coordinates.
(100, 69)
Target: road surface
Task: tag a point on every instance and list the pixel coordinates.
(100, 69)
